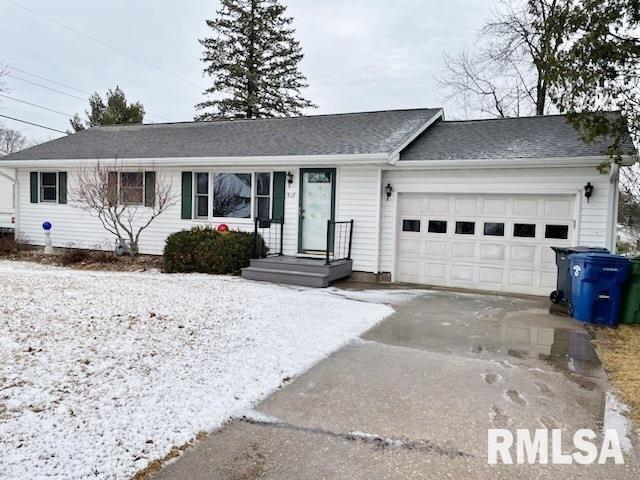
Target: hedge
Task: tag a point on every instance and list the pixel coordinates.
(206, 250)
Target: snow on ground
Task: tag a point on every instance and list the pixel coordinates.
(102, 372)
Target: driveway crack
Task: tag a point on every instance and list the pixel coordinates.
(379, 442)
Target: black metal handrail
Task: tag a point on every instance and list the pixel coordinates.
(272, 237)
(339, 240)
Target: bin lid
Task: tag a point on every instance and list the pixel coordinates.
(601, 258)
(579, 249)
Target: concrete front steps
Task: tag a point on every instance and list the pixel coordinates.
(306, 272)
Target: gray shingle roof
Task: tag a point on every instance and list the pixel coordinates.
(523, 137)
(352, 133)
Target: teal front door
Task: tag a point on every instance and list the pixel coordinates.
(317, 207)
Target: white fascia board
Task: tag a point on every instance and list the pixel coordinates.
(292, 160)
(482, 163)
(395, 155)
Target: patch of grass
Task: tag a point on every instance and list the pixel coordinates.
(619, 351)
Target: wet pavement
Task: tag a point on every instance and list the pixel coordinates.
(415, 396)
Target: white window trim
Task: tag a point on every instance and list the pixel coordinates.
(41, 188)
(237, 220)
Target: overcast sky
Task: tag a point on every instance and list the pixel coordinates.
(359, 54)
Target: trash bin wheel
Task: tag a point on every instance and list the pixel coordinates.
(570, 310)
(555, 296)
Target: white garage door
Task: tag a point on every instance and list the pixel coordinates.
(484, 242)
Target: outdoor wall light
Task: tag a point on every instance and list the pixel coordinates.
(588, 191)
(388, 190)
(289, 178)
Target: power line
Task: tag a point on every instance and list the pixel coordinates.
(104, 44)
(45, 87)
(61, 84)
(45, 79)
(31, 123)
(36, 105)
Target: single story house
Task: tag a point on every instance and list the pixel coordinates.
(466, 204)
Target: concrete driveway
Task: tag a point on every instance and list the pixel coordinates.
(415, 396)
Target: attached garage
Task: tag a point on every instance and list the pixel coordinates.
(489, 242)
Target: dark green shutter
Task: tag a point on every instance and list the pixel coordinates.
(150, 189)
(34, 187)
(62, 187)
(187, 195)
(279, 182)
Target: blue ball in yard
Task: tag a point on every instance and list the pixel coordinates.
(47, 226)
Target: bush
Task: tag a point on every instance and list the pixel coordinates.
(73, 257)
(206, 250)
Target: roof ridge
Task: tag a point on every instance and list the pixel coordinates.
(236, 120)
(526, 117)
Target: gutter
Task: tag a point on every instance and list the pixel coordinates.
(293, 160)
(480, 163)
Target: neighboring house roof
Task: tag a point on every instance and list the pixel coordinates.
(523, 137)
(341, 134)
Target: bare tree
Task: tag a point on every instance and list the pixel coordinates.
(11, 141)
(120, 200)
(508, 74)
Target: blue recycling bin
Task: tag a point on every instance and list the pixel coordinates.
(597, 285)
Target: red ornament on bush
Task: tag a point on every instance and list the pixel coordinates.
(223, 227)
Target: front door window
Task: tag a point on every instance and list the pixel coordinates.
(316, 208)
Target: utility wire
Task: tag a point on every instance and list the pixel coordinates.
(104, 44)
(45, 87)
(45, 79)
(34, 124)
(59, 91)
(36, 105)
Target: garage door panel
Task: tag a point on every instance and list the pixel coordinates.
(436, 272)
(464, 250)
(462, 273)
(489, 262)
(492, 251)
(495, 207)
(522, 253)
(466, 206)
(438, 249)
(494, 276)
(558, 208)
(438, 204)
(525, 278)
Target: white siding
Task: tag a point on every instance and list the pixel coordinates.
(592, 224)
(358, 194)
(6, 196)
(73, 227)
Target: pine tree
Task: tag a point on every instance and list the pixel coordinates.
(115, 111)
(253, 60)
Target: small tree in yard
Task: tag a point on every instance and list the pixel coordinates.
(124, 203)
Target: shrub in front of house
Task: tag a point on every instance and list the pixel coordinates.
(205, 250)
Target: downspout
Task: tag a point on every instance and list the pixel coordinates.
(614, 177)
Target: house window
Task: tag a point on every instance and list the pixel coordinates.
(263, 195)
(232, 195)
(494, 229)
(202, 195)
(48, 187)
(410, 225)
(465, 228)
(437, 226)
(131, 188)
(560, 232)
(526, 230)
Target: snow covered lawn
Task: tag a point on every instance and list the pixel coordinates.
(102, 372)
